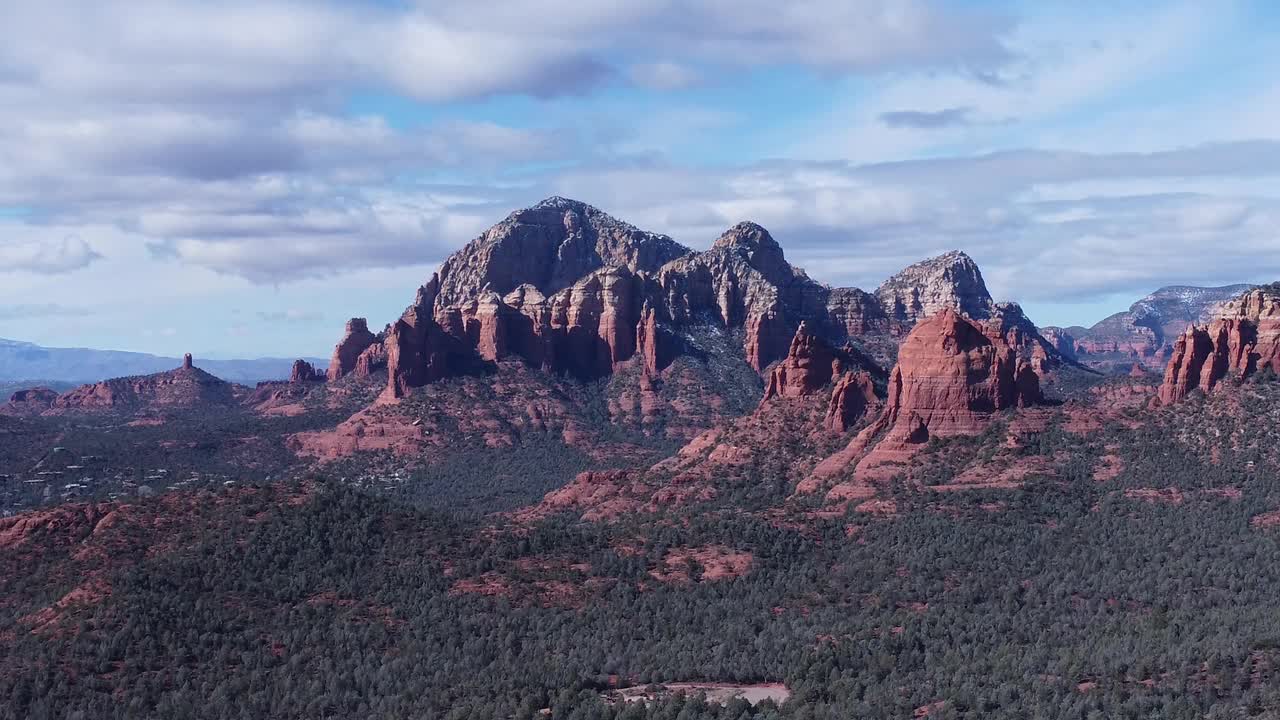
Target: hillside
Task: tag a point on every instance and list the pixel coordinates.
(1083, 589)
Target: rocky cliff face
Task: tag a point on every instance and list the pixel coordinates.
(952, 280)
(1062, 340)
(550, 246)
(852, 398)
(743, 281)
(951, 378)
(355, 340)
(568, 289)
(808, 367)
(304, 372)
(185, 387)
(1243, 339)
(614, 312)
(813, 367)
(419, 349)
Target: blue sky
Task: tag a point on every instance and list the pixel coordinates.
(237, 178)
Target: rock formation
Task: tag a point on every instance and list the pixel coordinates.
(743, 281)
(808, 367)
(1151, 326)
(564, 287)
(852, 398)
(304, 372)
(550, 246)
(373, 359)
(593, 323)
(1243, 339)
(185, 387)
(811, 366)
(653, 343)
(31, 401)
(951, 378)
(419, 350)
(346, 353)
(951, 280)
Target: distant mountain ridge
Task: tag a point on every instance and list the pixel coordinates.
(1148, 329)
(27, 362)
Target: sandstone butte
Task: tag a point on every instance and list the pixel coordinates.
(568, 289)
(1243, 339)
(952, 376)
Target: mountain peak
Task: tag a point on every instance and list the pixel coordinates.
(559, 202)
(951, 279)
(746, 233)
(951, 258)
(549, 246)
(757, 246)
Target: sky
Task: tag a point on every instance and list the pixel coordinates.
(237, 178)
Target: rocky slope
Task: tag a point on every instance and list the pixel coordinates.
(1243, 339)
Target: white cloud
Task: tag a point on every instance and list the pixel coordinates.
(46, 257)
(237, 51)
(664, 76)
(223, 149)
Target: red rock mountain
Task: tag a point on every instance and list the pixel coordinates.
(951, 378)
(185, 387)
(1243, 339)
(549, 247)
(568, 289)
(1148, 329)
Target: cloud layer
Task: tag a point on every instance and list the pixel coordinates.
(237, 148)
